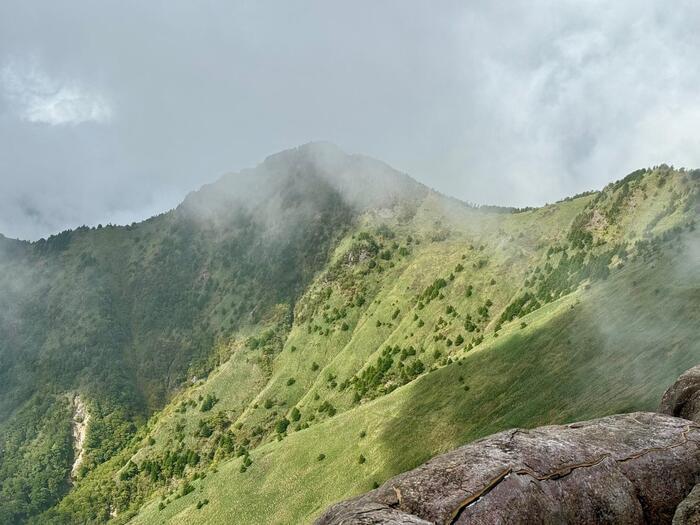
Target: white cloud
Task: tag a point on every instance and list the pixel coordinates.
(513, 102)
(565, 96)
(39, 98)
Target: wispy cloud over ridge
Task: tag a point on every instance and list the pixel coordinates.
(37, 97)
(129, 105)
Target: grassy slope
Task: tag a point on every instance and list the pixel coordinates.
(612, 348)
(599, 357)
(345, 353)
(124, 315)
(589, 354)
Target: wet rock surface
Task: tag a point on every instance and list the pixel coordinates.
(623, 469)
(682, 399)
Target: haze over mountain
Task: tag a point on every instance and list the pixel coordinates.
(108, 114)
(297, 333)
(322, 262)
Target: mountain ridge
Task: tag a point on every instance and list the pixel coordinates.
(227, 334)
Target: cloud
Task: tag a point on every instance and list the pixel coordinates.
(566, 96)
(38, 98)
(515, 102)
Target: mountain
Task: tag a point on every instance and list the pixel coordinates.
(294, 334)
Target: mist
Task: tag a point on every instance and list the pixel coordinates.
(113, 112)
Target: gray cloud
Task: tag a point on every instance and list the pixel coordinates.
(113, 111)
(40, 99)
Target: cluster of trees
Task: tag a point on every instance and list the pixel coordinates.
(433, 291)
(208, 402)
(395, 366)
(35, 458)
(519, 307)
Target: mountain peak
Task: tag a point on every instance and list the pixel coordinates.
(361, 182)
(311, 150)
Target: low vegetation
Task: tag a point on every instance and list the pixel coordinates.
(224, 361)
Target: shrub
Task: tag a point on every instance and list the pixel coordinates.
(314, 366)
(291, 381)
(209, 402)
(361, 459)
(130, 470)
(433, 291)
(321, 457)
(204, 429)
(327, 408)
(480, 264)
(281, 426)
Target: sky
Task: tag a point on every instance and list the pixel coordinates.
(112, 111)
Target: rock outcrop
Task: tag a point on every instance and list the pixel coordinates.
(623, 469)
(688, 512)
(79, 424)
(682, 399)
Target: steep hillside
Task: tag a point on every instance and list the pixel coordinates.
(321, 323)
(497, 306)
(611, 345)
(126, 315)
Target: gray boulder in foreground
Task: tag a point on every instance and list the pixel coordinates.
(682, 399)
(688, 512)
(622, 469)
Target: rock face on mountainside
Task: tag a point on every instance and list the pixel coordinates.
(631, 468)
(682, 399)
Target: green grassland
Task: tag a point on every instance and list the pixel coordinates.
(581, 356)
(402, 327)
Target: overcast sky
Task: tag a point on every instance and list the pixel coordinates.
(113, 111)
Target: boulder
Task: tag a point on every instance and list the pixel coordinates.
(623, 469)
(682, 399)
(688, 512)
